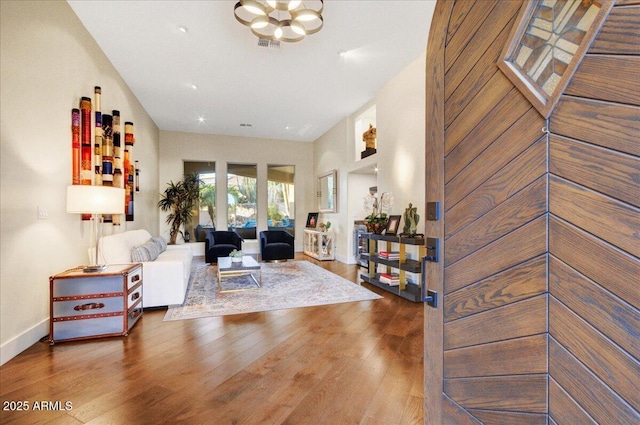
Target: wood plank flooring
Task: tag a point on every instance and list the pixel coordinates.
(352, 363)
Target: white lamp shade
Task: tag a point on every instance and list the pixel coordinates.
(86, 199)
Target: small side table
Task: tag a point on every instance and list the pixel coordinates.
(318, 244)
(95, 305)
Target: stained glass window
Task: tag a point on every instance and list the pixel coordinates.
(547, 44)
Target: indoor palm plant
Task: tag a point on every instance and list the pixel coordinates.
(179, 199)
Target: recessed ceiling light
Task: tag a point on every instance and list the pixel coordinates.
(193, 86)
(183, 29)
(342, 53)
(201, 119)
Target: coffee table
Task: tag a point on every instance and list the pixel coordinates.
(248, 266)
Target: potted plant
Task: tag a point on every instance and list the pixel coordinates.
(376, 222)
(178, 199)
(236, 256)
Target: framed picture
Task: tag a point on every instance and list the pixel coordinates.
(312, 220)
(392, 225)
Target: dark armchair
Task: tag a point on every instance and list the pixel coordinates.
(276, 245)
(219, 243)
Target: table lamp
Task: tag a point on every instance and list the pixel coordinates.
(95, 200)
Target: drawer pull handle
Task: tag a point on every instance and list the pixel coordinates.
(135, 278)
(88, 306)
(135, 296)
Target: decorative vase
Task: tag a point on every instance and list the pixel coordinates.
(236, 259)
(377, 227)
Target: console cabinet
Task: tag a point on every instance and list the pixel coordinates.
(319, 244)
(397, 266)
(95, 305)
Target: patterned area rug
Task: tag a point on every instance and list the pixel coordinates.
(284, 285)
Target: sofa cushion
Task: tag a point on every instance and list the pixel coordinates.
(160, 243)
(153, 249)
(139, 254)
(148, 251)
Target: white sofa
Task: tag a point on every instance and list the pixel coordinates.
(165, 279)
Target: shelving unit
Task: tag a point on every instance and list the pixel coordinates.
(408, 290)
(318, 244)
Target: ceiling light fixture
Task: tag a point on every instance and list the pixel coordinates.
(281, 20)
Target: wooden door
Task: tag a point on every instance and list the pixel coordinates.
(539, 228)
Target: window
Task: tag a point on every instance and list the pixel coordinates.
(547, 43)
(281, 197)
(242, 199)
(204, 214)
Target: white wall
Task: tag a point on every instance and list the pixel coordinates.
(177, 147)
(48, 61)
(400, 120)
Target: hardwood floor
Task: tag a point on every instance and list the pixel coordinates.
(352, 363)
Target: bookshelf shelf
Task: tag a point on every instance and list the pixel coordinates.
(381, 247)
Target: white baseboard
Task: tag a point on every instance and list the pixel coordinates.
(343, 259)
(17, 345)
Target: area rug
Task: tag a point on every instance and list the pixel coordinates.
(292, 284)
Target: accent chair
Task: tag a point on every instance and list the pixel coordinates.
(219, 243)
(276, 245)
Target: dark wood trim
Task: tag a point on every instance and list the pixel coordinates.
(434, 411)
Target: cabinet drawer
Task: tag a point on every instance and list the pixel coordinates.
(87, 286)
(134, 297)
(134, 277)
(134, 315)
(87, 306)
(87, 328)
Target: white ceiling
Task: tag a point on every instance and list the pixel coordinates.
(295, 93)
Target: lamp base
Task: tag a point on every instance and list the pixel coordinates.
(94, 269)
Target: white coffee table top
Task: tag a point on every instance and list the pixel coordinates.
(247, 263)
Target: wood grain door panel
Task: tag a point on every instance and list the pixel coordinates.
(539, 313)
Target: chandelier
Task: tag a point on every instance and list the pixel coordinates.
(288, 21)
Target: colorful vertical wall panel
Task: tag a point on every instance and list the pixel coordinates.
(105, 163)
(97, 146)
(129, 170)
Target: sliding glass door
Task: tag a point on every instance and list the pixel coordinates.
(281, 197)
(242, 199)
